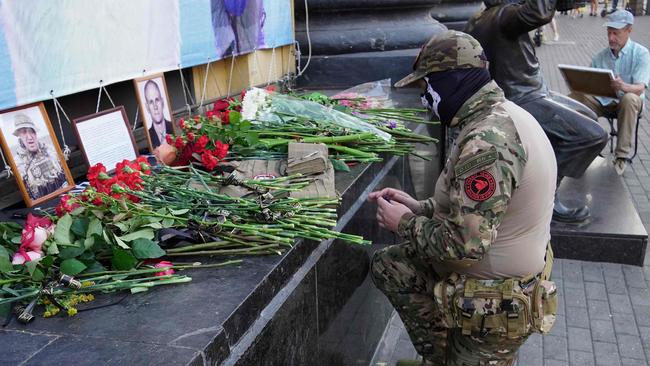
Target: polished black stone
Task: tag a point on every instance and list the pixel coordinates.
(614, 233)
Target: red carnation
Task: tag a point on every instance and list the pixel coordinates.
(209, 161)
(179, 143)
(202, 142)
(182, 123)
(221, 150)
(169, 139)
(271, 88)
(220, 105)
(225, 117)
(190, 136)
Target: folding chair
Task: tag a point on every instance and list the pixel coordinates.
(611, 116)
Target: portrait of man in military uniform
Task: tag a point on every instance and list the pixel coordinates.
(155, 108)
(39, 165)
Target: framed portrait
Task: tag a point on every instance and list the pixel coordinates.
(155, 108)
(34, 154)
(106, 137)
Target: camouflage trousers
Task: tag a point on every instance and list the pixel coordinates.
(409, 283)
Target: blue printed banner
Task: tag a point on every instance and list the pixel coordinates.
(67, 46)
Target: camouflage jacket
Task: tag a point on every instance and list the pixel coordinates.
(458, 224)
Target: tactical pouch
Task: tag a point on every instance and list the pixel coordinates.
(544, 307)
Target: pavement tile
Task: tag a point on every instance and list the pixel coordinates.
(616, 285)
(577, 317)
(640, 296)
(559, 327)
(578, 358)
(645, 335)
(575, 296)
(556, 348)
(630, 346)
(642, 315)
(550, 362)
(620, 304)
(579, 339)
(632, 362)
(603, 330)
(625, 324)
(593, 272)
(634, 276)
(606, 354)
(599, 309)
(595, 290)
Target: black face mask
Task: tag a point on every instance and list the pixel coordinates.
(446, 91)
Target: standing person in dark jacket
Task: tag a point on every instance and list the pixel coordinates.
(502, 29)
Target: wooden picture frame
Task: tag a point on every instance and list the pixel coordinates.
(35, 158)
(104, 139)
(148, 108)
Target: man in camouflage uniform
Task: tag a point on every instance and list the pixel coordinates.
(470, 280)
(39, 168)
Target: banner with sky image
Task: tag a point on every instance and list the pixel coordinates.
(67, 46)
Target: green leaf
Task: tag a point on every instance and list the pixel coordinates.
(62, 230)
(168, 223)
(154, 225)
(93, 266)
(5, 265)
(72, 266)
(180, 211)
(80, 226)
(123, 260)
(144, 248)
(71, 252)
(135, 290)
(140, 234)
(52, 249)
(94, 228)
(38, 275)
(16, 239)
(120, 243)
(123, 226)
(234, 117)
(339, 165)
(4, 252)
(89, 242)
(47, 261)
(31, 266)
(5, 309)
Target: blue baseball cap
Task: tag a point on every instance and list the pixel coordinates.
(619, 19)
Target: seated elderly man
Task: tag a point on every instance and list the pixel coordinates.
(630, 62)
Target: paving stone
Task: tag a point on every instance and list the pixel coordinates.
(555, 348)
(578, 358)
(632, 362)
(550, 362)
(645, 335)
(593, 272)
(616, 285)
(625, 324)
(559, 327)
(640, 296)
(620, 304)
(630, 346)
(531, 352)
(577, 317)
(599, 309)
(606, 354)
(595, 290)
(642, 315)
(579, 339)
(634, 276)
(612, 270)
(575, 296)
(603, 330)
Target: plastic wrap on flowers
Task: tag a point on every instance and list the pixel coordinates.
(263, 107)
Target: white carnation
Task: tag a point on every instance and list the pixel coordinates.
(254, 101)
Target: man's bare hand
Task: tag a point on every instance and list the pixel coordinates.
(618, 84)
(395, 195)
(390, 213)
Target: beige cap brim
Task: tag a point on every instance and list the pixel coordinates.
(410, 78)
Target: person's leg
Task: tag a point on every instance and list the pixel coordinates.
(628, 110)
(588, 101)
(492, 351)
(408, 282)
(576, 141)
(556, 35)
(614, 4)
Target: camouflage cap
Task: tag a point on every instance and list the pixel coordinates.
(23, 121)
(447, 50)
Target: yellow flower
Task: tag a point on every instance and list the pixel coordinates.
(47, 314)
(72, 311)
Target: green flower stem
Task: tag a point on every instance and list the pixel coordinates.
(30, 294)
(226, 251)
(351, 151)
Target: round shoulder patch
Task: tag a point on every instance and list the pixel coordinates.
(480, 186)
